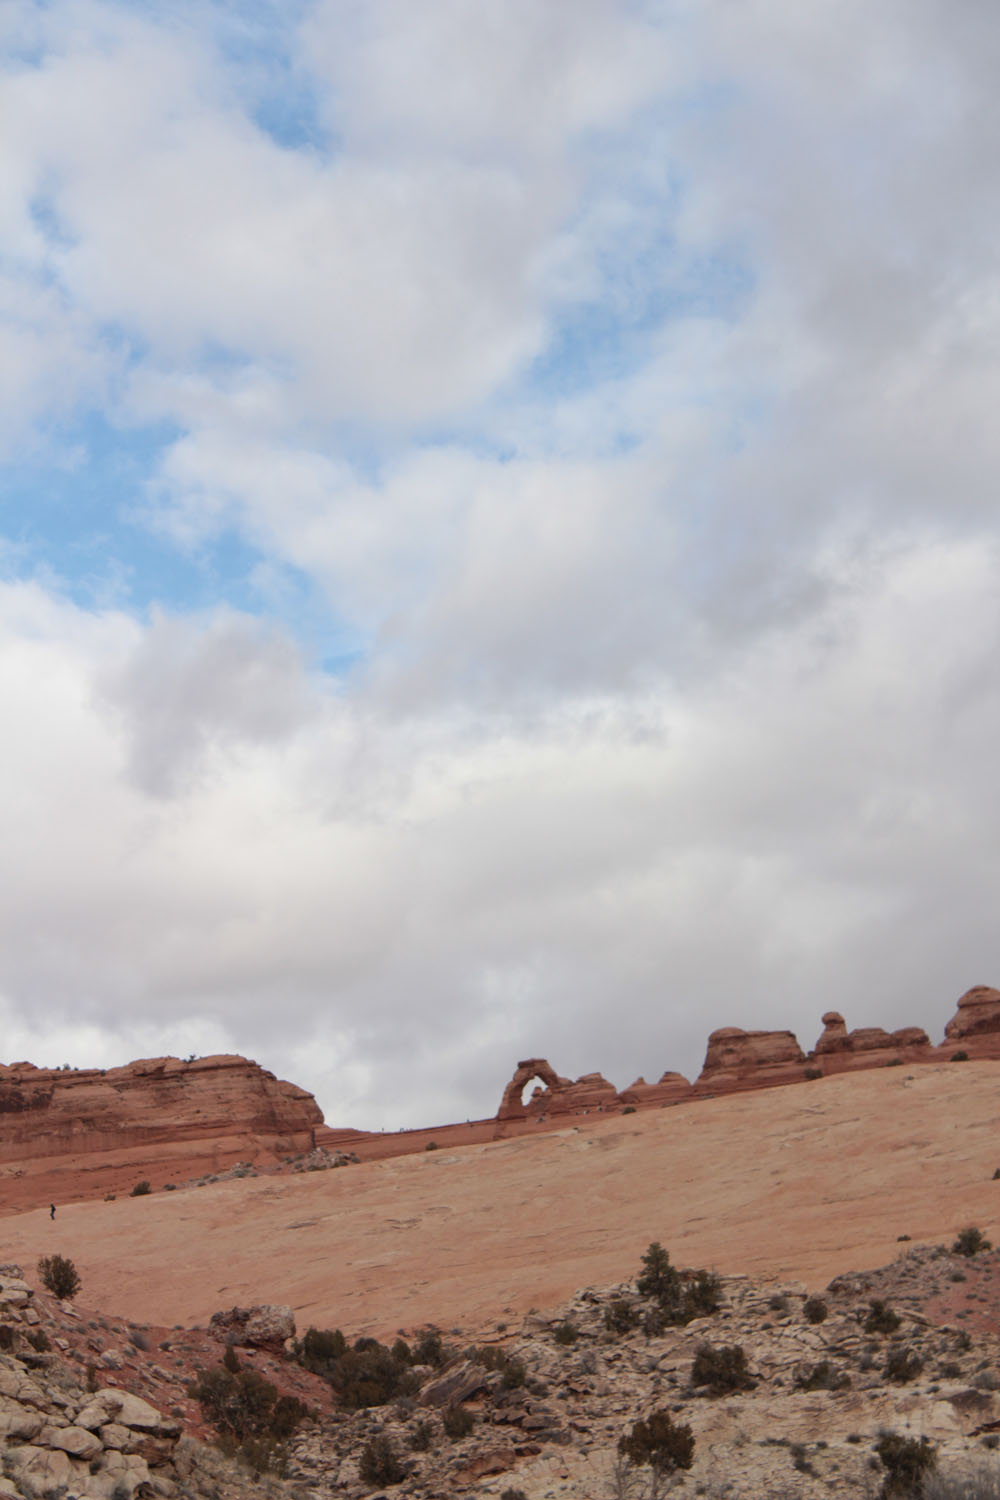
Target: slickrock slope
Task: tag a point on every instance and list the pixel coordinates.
(92, 1131)
(791, 1181)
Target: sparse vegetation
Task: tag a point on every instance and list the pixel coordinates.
(823, 1377)
(458, 1422)
(960, 1056)
(811, 1074)
(658, 1441)
(422, 1436)
(676, 1300)
(141, 1189)
(881, 1318)
(815, 1310)
(566, 1333)
(620, 1316)
(365, 1374)
(970, 1241)
(59, 1276)
(722, 1368)
(252, 1418)
(902, 1364)
(380, 1463)
(629, 1109)
(906, 1462)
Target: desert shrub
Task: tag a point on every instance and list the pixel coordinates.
(320, 1348)
(902, 1364)
(881, 1318)
(996, 1174)
(620, 1316)
(823, 1377)
(894, 1062)
(815, 1310)
(139, 1340)
(513, 1495)
(458, 1422)
(629, 1109)
(432, 1146)
(958, 1276)
(907, 1461)
(960, 1056)
(39, 1341)
(368, 1374)
(514, 1375)
(778, 1303)
(429, 1348)
(970, 1241)
(141, 1189)
(722, 1368)
(59, 1276)
(380, 1463)
(702, 1296)
(421, 1436)
(566, 1333)
(659, 1442)
(658, 1279)
(811, 1074)
(251, 1418)
(676, 1301)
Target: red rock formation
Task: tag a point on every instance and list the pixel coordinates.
(669, 1089)
(841, 1051)
(511, 1107)
(738, 1059)
(159, 1118)
(977, 1016)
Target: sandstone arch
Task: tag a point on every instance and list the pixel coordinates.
(511, 1107)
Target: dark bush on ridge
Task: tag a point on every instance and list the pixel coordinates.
(675, 1300)
(970, 1241)
(252, 1419)
(59, 1276)
(380, 1463)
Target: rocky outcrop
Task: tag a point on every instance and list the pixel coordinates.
(559, 1096)
(670, 1088)
(737, 1059)
(977, 1018)
(158, 1119)
(841, 1051)
(62, 1439)
(511, 1105)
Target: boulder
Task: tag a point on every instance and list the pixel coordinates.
(112, 1405)
(266, 1325)
(456, 1384)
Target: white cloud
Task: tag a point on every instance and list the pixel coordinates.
(678, 691)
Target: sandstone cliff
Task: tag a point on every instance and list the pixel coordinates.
(160, 1119)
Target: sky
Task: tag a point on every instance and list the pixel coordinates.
(499, 532)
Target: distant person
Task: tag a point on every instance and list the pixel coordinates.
(52, 1210)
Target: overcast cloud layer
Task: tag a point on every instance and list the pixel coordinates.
(499, 546)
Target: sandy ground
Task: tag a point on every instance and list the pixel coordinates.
(801, 1182)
